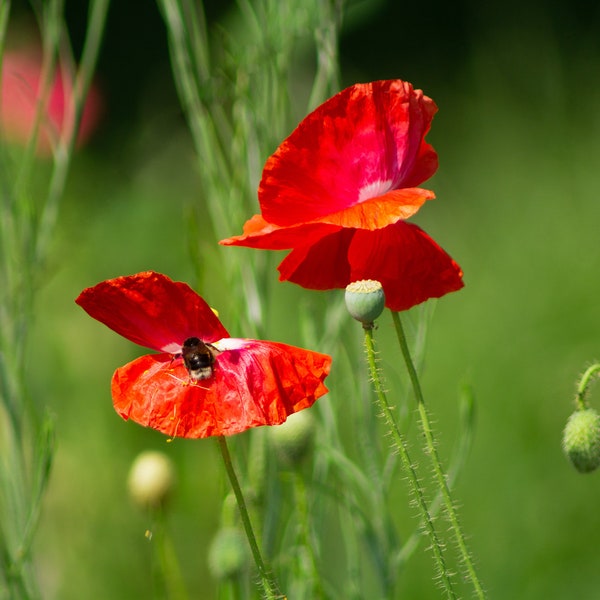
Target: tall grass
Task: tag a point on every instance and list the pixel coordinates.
(29, 211)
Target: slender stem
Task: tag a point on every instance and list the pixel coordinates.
(583, 385)
(50, 20)
(437, 466)
(64, 151)
(300, 498)
(167, 559)
(326, 79)
(401, 446)
(269, 585)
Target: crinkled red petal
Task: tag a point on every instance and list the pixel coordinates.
(365, 141)
(253, 384)
(152, 310)
(409, 264)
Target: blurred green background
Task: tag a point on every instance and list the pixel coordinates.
(518, 136)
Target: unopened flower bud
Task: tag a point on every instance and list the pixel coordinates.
(228, 553)
(365, 300)
(581, 440)
(151, 479)
(293, 438)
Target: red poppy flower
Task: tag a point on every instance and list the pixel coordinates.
(338, 190)
(202, 382)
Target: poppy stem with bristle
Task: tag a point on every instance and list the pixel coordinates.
(269, 586)
(413, 479)
(437, 466)
(584, 384)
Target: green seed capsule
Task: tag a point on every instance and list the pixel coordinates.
(365, 300)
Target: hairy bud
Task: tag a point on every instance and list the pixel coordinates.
(581, 440)
(151, 479)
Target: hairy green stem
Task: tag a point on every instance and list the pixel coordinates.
(268, 584)
(583, 385)
(401, 446)
(437, 466)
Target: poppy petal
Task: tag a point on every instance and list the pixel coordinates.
(402, 257)
(381, 211)
(408, 263)
(321, 265)
(152, 310)
(363, 142)
(254, 383)
(266, 236)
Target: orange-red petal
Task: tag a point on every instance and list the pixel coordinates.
(381, 211)
(374, 213)
(254, 383)
(152, 310)
(266, 236)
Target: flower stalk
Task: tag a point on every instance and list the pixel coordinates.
(402, 448)
(166, 558)
(437, 466)
(267, 582)
(583, 386)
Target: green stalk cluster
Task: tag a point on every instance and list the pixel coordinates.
(27, 223)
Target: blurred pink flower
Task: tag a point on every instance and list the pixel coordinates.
(21, 87)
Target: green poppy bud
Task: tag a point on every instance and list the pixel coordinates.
(293, 438)
(365, 300)
(581, 440)
(228, 553)
(151, 479)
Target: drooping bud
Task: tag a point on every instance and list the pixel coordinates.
(151, 479)
(293, 438)
(581, 440)
(365, 300)
(228, 553)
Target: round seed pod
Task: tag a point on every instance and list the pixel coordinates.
(365, 300)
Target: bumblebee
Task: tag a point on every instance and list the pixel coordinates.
(198, 358)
